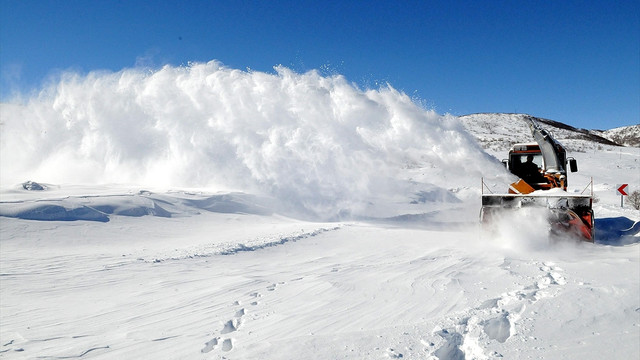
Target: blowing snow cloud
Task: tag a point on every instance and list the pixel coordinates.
(305, 138)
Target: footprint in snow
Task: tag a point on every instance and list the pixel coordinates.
(496, 319)
(450, 350)
(274, 285)
(498, 328)
(557, 279)
(553, 274)
(229, 327)
(209, 345)
(392, 353)
(227, 345)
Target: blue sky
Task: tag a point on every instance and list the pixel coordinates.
(576, 62)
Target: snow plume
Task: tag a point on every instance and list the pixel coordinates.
(528, 229)
(319, 143)
(523, 229)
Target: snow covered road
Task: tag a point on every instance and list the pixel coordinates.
(348, 290)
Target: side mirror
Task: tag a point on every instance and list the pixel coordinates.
(573, 165)
(505, 162)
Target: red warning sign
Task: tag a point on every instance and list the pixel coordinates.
(622, 189)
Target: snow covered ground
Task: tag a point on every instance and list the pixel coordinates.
(279, 238)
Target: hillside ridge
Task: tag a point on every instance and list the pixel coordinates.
(498, 131)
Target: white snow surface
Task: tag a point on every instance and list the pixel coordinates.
(203, 212)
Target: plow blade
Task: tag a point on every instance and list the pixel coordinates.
(567, 214)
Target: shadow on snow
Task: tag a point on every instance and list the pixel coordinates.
(617, 231)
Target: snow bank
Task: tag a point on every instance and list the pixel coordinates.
(319, 144)
(64, 205)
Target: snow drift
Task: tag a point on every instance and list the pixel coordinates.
(317, 143)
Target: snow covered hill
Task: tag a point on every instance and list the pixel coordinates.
(498, 131)
(203, 212)
(628, 135)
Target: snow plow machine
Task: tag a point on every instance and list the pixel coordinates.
(542, 169)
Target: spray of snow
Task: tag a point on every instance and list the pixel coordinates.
(529, 230)
(521, 229)
(319, 143)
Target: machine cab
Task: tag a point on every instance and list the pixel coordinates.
(527, 162)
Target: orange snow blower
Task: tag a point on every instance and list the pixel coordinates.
(542, 169)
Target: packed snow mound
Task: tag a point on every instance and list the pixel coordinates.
(319, 144)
